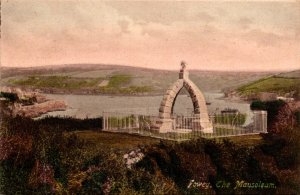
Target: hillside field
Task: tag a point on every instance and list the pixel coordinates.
(276, 84)
(113, 79)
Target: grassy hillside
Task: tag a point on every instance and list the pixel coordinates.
(114, 84)
(291, 74)
(66, 82)
(277, 84)
(121, 79)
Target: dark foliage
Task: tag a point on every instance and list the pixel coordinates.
(168, 162)
(146, 164)
(28, 126)
(14, 177)
(12, 97)
(272, 107)
(95, 161)
(235, 163)
(48, 143)
(194, 147)
(258, 105)
(53, 157)
(273, 144)
(140, 183)
(232, 162)
(71, 124)
(297, 116)
(94, 185)
(283, 147)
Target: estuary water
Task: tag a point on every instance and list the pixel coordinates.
(82, 106)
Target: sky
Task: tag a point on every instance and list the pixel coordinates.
(248, 36)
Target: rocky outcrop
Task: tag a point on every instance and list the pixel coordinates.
(36, 110)
(29, 103)
(133, 157)
(22, 93)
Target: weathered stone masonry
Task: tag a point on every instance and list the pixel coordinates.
(201, 121)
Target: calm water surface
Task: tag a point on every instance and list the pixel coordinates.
(82, 106)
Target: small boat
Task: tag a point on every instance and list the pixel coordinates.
(229, 111)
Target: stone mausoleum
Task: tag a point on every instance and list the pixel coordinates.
(200, 119)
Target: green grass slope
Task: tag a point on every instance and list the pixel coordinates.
(291, 74)
(116, 84)
(122, 79)
(66, 82)
(276, 84)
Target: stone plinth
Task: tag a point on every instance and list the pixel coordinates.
(202, 124)
(165, 125)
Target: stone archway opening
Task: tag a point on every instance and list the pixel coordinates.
(182, 104)
(201, 120)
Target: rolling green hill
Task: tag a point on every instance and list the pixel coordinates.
(116, 84)
(281, 84)
(113, 79)
(291, 74)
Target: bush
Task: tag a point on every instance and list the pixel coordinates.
(71, 124)
(258, 105)
(12, 97)
(297, 116)
(166, 160)
(272, 108)
(95, 183)
(49, 146)
(234, 119)
(236, 163)
(283, 147)
(273, 144)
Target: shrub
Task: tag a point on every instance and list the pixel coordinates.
(12, 97)
(273, 144)
(95, 183)
(272, 108)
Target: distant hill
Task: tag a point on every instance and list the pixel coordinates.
(291, 74)
(115, 79)
(285, 84)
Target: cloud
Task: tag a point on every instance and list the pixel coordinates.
(208, 35)
(205, 17)
(264, 38)
(245, 22)
(124, 24)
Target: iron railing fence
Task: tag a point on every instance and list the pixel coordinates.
(184, 128)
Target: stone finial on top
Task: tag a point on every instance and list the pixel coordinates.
(183, 65)
(183, 74)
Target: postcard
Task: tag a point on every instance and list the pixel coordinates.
(150, 97)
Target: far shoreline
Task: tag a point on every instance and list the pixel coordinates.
(227, 99)
(125, 95)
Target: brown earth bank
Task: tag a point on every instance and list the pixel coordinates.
(29, 103)
(37, 110)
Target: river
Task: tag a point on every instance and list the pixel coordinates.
(82, 106)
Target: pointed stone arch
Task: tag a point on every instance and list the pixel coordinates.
(201, 121)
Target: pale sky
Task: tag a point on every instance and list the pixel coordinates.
(207, 35)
